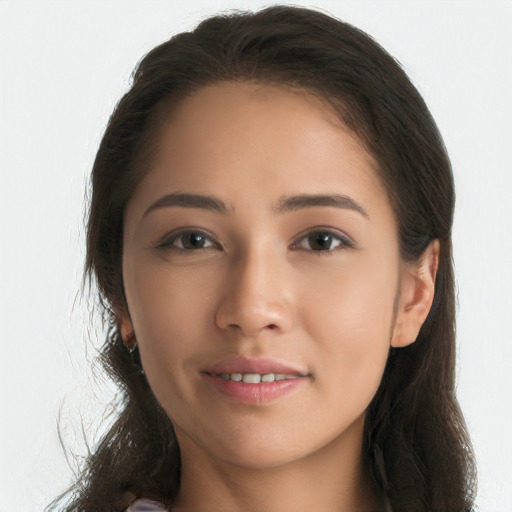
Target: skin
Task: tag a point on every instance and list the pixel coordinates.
(260, 287)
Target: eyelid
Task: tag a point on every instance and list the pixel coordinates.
(347, 242)
(166, 242)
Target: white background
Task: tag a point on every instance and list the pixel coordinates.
(63, 66)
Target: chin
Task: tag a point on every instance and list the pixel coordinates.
(261, 458)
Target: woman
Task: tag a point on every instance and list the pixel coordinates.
(270, 231)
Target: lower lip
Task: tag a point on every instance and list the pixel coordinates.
(254, 394)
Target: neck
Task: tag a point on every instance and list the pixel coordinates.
(330, 479)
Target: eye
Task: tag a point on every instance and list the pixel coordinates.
(188, 240)
(323, 241)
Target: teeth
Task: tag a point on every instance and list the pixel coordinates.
(252, 378)
(256, 378)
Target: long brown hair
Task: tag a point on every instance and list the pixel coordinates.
(415, 442)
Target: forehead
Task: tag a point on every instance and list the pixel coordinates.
(248, 142)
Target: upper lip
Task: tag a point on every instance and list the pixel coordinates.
(241, 364)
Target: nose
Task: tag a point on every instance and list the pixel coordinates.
(257, 297)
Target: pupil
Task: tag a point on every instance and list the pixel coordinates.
(195, 240)
(321, 241)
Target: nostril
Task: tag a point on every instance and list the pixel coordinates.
(271, 327)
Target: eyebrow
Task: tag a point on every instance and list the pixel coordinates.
(285, 204)
(189, 201)
(299, 202)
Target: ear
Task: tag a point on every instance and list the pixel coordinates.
(417, 288)
(126, 328)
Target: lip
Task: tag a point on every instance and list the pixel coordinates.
(241, 364)
(254, 394)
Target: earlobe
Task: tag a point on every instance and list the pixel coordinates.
(416, 296)
(126, 328)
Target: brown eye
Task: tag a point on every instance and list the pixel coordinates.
(189, 240)
(194, 241)
(323, 241)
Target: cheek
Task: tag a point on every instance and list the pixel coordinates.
(349, 315)
(165, 302)
(354, 300)
(169, 313)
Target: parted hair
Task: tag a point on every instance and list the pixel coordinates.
(416, 446)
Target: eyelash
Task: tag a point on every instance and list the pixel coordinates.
(168, 241)
(343, 241)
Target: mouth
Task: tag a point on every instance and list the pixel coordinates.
(238, 368)
(255, 378)
(254, 381)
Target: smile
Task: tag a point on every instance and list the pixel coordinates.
(256, 378)
(254, 388)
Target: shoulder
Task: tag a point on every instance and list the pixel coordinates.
(143, 505)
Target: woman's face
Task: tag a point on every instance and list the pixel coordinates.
(262, 276)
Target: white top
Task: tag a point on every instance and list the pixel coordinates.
(143, 505)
